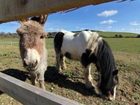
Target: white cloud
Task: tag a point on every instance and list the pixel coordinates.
(108, 13)
(135, 23)
(109, 22)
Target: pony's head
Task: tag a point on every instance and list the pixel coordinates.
(32, 35)
(107, 67)
(108, 86)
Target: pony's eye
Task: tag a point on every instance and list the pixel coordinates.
(19, 34)
(41, 37)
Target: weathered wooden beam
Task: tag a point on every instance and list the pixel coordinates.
(30, 95)
(17, 9)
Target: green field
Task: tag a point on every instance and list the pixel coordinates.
(70, 83)
(112, 34)
(128, 45)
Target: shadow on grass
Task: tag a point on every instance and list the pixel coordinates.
(18, 74)
(52, 75)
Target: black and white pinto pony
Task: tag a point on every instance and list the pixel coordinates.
(88, 47)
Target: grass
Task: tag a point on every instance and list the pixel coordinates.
(112, 34)
(128, 45)
(70, 84)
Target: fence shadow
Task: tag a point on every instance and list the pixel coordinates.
(51, 75)
(18, 74)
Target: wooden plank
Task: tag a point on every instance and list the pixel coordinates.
(30, 95)
(18, 9)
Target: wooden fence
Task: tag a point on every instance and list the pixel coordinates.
(18, 9)
(30, 95)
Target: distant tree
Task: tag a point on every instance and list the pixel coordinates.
(2, 33)
(87, 30)
(116, 36)
(120, 36)
(138, 36)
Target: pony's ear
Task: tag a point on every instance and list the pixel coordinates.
(41, 19)
(21, 21)
(115, 72)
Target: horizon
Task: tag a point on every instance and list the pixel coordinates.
(110, 17)
(81, 30)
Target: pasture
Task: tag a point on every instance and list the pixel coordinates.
(70, 83)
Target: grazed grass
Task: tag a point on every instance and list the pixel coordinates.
(70, 84)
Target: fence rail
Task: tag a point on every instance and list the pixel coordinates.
(19, 9)
(30, 95)
(8, 43)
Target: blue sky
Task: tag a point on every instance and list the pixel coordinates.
(114, 16)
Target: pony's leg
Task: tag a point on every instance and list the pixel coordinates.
(88, 77)
(41, 84)
(58, 62)
(41, 80)
(63, 64)
(33, 79)
(99, 80)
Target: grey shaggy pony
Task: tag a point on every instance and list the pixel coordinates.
(32, 48)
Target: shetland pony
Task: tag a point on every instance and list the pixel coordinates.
(88, 47)
(32, 48)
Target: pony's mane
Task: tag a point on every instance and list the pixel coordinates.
(105, 63)
(93, 41)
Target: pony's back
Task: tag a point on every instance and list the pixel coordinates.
(75, 44)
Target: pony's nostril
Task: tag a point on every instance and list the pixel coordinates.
(34, 64)
(111, 96)
(30, 64)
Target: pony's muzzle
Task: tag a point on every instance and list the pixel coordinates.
(112, 95)
(109, 95)
(30, 65)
